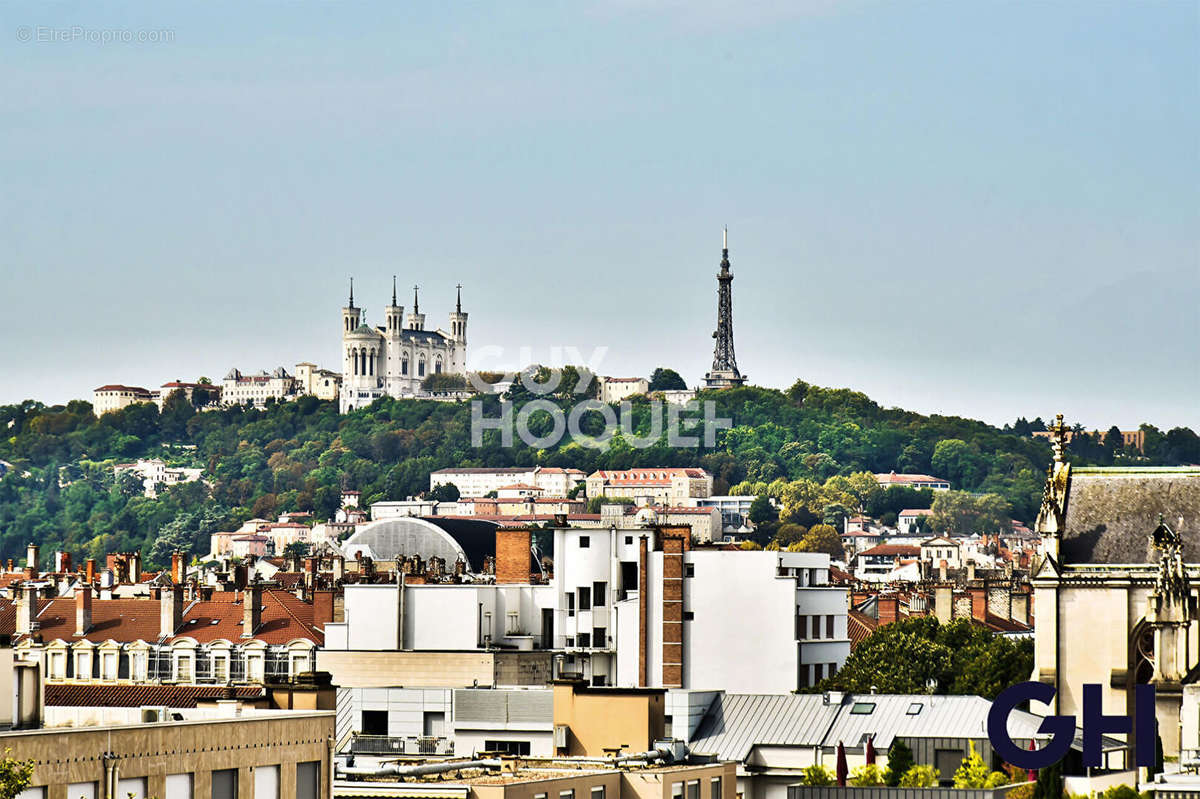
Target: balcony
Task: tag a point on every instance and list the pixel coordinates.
(407, 745)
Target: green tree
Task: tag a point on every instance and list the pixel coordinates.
(761, 510)
(663, 379)
(15, 775)
(444, 492)
(962, 513)
(1049, 783)
(823, 538)
(900, 760)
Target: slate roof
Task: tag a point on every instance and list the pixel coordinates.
(1111, 512)
(184, 696)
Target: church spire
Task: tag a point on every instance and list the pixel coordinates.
(458, 304)
(352, 292)
(416, 307)
(393, 290)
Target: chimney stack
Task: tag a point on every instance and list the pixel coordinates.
(26, 609)
(178, 568)
(62, 562)
(322, 608)
(943, 603)
(979, 603)
(90, 574)
(83, 609)
(170, 610)
(31, 558)
(135, 567)
(888, 606)
(970, 570)
(942, 568)
(310, 572)
(513, 557)
(339, 568)
(252, 610)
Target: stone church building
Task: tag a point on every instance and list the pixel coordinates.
(393, 359)
(1116, 594)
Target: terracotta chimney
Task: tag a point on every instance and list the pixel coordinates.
(889, 608)
(322, 608)
(310, 572)
(83, 609)
(178, 568)
(252, 611)
(513, 556)
(90, 574)
(170, 616)
(979, 603)
(62, 562)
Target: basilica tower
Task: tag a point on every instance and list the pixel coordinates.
(724, 373)
(394, 314)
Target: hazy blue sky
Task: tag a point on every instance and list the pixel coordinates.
(985, 209)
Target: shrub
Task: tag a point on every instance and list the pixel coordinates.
(816, 775)
(867, 776)
(900, 760)
(919, 777)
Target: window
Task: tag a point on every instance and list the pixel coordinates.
(514, 623)
(628, 540)
(308, 780)
(566, 794)
(79, 790)
(816, 626)
(599, 637)
(598, 594)
(862, 708)
(598, 792)
(266, 782)
(689, 615)
(58, 665)
(585, 598)
(677, 790)
(108, 665)
(178, 786)
(585, 641)
(421, 367)
(693, 789)
(801, 628)
(570, 642)
(803, 677)
(539, 796)
(183, 668)
(585, 541)
(818, 671)
(829, 626)
(714, 791)
(570, 604)
(133, 787)
(375, 722)
(221, 668)
(508, 747)
(913, 709)
(689, 570)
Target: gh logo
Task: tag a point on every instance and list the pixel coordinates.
(1061, 729)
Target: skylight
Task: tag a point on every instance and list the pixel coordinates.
(862, 708)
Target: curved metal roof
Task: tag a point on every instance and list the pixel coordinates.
(473, 540)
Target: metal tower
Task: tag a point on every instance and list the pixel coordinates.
(724, 369)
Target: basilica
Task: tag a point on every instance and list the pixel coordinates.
(395, 358)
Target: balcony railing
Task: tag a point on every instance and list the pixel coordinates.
(404, 745)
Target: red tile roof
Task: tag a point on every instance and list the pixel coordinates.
(284, 618)
(122, 620)
(858, 626)
(895, 550)
(119, 387)
(184, 696)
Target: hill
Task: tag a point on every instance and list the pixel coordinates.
(59, 488)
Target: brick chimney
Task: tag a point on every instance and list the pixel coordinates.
(62, 562)
(942, 568)
(178, 568)
(310, 572)
(83, 609)
(26, 609)
(889, 608)
(90, 574)
(979, 603)
(322, 608)
(31, 558)
(513, 557)
(252, 609)
(170, 610)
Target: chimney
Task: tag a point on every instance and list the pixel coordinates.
(83, 609)
(310, 573)
(135, 567)
(62, 562)
(979, 603)
(970, 570)
(888, 606)
(178, 568)
(513, 557)
(339, 568)
(252, 611)
(322, 608)
(943, 603)
(90, 574)
(170, 610)
(942, 570)
(26, 609)
(239, 576)
(31, 558)
(1020, 607)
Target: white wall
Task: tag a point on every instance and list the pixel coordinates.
(372, 616)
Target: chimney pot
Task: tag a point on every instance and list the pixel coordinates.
(83, 609)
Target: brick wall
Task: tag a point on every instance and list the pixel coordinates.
(513, 559)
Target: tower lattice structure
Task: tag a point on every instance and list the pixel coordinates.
(724, 371)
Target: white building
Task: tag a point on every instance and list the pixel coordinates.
(479, 482)
(889, 479)
(908, 519)
(240, 389)
(114, 396)
(320, 383)
(938, 549)
(393, 359)
(661, 486)
(624, 608)
(615, 389)
(155, 472)
(735, 510)
(705, 523)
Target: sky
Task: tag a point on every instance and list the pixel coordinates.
(986, 209)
